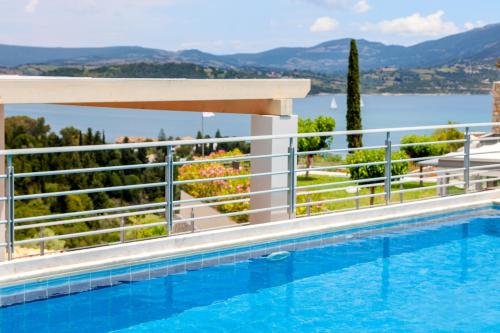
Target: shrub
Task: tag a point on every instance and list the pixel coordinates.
(422, 150)
(218, 187)
(374, 171)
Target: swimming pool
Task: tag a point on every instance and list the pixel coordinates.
(433, 274)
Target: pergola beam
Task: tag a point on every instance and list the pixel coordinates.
(255, 96)
(246, 106)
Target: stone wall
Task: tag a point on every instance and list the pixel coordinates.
(496, 106)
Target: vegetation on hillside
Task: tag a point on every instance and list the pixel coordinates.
(459, 78)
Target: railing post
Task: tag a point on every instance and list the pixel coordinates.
(357, 196)
(467, 160)
(169, 189)
(122, 232)
(401, 187)
(308, 207)
(42, 243)
(292, 162)
(192, 220)
(388, 166)
(10, 207)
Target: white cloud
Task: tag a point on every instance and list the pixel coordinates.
(362, 6)
(415, 25)
(323, 24)
(31, 6)
(474, 25)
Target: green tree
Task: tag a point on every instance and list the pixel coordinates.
(446, 134)
(374, 171)
(314, 143)
(353, 115)
(162, 136)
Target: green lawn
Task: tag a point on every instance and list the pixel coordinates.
(364, 202)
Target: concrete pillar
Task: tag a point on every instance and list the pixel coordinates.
(270, 125)
(496, 106)
(3, 207)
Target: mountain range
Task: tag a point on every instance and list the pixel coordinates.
(477, 46)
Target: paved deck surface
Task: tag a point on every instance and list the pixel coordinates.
(217, 222)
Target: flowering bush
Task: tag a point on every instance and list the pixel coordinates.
(218, 187)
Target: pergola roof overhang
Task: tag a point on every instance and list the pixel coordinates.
(246, 96)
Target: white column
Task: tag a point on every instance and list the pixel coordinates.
(270, 125)
(3, 207)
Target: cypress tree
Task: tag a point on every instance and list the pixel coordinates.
(353, 115)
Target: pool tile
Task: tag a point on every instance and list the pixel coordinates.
(12, 299)
(140, 275)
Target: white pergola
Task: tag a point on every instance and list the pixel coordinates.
(269, 101)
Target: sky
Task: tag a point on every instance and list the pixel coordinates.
(234, 26)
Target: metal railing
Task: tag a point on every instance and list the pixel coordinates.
(295, 195)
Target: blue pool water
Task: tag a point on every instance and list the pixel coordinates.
(434, 274)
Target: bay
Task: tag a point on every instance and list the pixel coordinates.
(379, 111)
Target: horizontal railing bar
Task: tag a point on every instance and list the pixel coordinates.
(228, 196)
(243, 212)
(487, 166)
(315, 152)
(88, 219)
(211, 204)
(73, 149)
(88, 212)
(427, 187)
(89, 190)
(336, 189)
(484, 180)
(216, 228)
(339, 166)
(427, 158)
(427, 143)
(248, 175)
(88, 170)
(495, 138)
(228, 159)
(340, 199)
(484, 152)
(326, 211)
(340, 183)
(416, 174)
(89, 233)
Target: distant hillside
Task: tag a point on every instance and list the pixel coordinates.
(478, 46)
(13, 56)
(449, 79)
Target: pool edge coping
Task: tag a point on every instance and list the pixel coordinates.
(109, 257)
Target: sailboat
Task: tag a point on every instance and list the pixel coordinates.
(333, 104)
(362, 103)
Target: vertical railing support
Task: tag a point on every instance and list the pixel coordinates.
(357, 195)
(10, 208)
(192, 220)
(169, 189)
(467, 160)
(401, 187)
(292, 162)
(42, 242)
(388, 167)
(122, 232)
